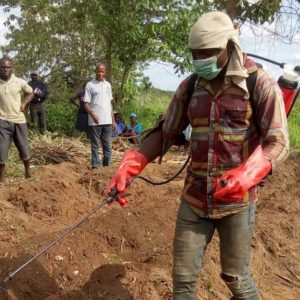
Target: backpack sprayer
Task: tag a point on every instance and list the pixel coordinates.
(289, 86)
(288, 83)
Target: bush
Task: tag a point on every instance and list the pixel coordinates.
(61, 114)
(294, 126)
(147, 106)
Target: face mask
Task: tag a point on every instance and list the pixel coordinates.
(207, 68)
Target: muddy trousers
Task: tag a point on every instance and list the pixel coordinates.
(193, 233)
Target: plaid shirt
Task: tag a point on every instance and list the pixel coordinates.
(225, 134)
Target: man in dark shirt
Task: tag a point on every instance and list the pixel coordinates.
(37, 106)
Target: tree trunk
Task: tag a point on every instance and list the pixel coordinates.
(230, 7)
(108, 59)
(125, 76)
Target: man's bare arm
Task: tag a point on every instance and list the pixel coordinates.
(26, 100)
(89, 110)
(152, 145)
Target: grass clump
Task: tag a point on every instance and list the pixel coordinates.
(294, 126)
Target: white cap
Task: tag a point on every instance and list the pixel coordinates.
(289, 74)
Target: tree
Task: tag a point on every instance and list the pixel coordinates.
(146, 84)
(72, 35)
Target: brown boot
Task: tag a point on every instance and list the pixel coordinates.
(27, 168)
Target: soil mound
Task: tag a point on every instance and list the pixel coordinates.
(127, 253)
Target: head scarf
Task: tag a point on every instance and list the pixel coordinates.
(214, 30)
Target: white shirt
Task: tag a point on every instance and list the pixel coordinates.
(99, 95)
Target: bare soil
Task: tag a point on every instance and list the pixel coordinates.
(127, 253)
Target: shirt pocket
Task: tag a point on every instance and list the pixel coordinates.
(235, 113)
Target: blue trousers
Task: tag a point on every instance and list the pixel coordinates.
(100, 134)
(192, 235)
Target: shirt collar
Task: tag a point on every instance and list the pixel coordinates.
(99, 80)
(205, 84)
(11, 79)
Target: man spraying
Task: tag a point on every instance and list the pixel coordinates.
(235, 142)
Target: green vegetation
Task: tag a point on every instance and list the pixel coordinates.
(61, 114)
(64, 39)
(294, 126)
(148, 106)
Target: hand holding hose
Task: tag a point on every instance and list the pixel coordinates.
(132, 164)
(235, 183)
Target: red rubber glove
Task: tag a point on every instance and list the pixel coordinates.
(234, 184)
(132, 164)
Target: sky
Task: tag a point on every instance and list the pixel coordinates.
(253, 40)
(263, 44)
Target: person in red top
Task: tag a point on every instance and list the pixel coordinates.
(234, 145)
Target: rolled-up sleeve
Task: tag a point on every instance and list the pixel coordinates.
(271, 118)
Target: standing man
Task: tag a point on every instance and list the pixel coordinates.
(13, 125)
(97, 103)
(235, 142)
(37, 105)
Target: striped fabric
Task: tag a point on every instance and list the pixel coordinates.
(225, 134)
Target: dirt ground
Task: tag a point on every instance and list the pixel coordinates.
(127, 253)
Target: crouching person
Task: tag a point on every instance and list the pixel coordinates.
(234, 145)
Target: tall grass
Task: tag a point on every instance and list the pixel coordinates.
(147, 106)
(294, 126)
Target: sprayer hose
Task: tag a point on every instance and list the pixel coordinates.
(165, 181)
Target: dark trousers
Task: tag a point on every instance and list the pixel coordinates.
(38, 116)
(13, 132)
(100, 134)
